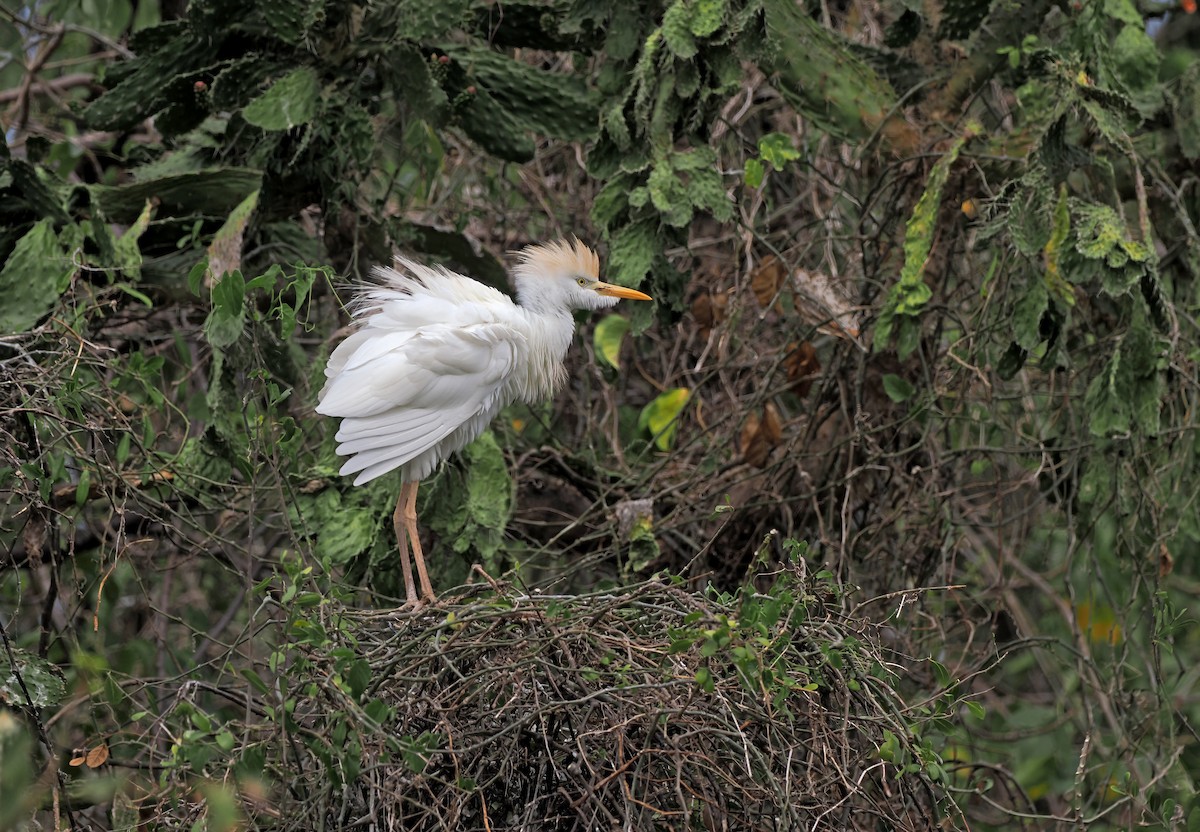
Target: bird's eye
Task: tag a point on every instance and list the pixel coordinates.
(582, 281)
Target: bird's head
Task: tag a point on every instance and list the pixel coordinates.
(565, 275)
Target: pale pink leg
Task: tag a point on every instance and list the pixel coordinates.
(398, 523)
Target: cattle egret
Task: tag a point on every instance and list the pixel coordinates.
(435, 355)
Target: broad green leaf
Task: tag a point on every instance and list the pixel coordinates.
(821, 75)
(228, 315)
(609, 334)
(1124, 11)
(43, 680)
(632, 252)
(291, 101)
(37, 272)
(754, 173)
(1027, 314)
(660, 416)
(897, 388)
(1136, 60)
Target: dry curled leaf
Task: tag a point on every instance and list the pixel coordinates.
(760, 436)
(767, 280)
(97, 756)
(709, 310)
(802, 366)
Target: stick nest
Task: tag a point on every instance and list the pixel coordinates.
(643, 708)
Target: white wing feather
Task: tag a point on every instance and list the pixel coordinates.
(432, 356)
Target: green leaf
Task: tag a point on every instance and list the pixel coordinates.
(42, 679)
(1136, 60)
(754, 173)
(83, 488)
(214, 191)
(677, 31)
(290, 102)
(1105, 402)
(36, 273)
(897, 388)
(632, 253)
(1027, 315)
(707, 17)
(227, 318)
(777, 149)
(660, 416)
(195, 278)
(128, 255)
(889, 749)
(612, 200)
(704, 679)
(608, 337)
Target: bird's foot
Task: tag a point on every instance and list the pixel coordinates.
(419, 603)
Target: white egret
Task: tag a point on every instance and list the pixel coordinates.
(436, 355)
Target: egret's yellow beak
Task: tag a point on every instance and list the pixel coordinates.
(620, 292)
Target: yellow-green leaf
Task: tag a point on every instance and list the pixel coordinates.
(609, 334)
(225, 253)
(661, 415)
(1056, 284)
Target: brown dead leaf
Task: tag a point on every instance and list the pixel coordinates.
(709, 310)
(77, 760)
(802, 366)
(767, 280)
(97, 756)
(1166, 561)
(760, 436)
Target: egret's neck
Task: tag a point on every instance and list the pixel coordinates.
(549, 331)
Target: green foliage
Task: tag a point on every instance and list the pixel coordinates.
(33, 277)
(607, 339)
(907, 298)
(161, 469)
(823, 79)
(662, 92)
(1127, 394)
(660, 418)
(512, 100)
(774, 149)
(291, 101)
(16, 771)
(30, 680)
(469, 506)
